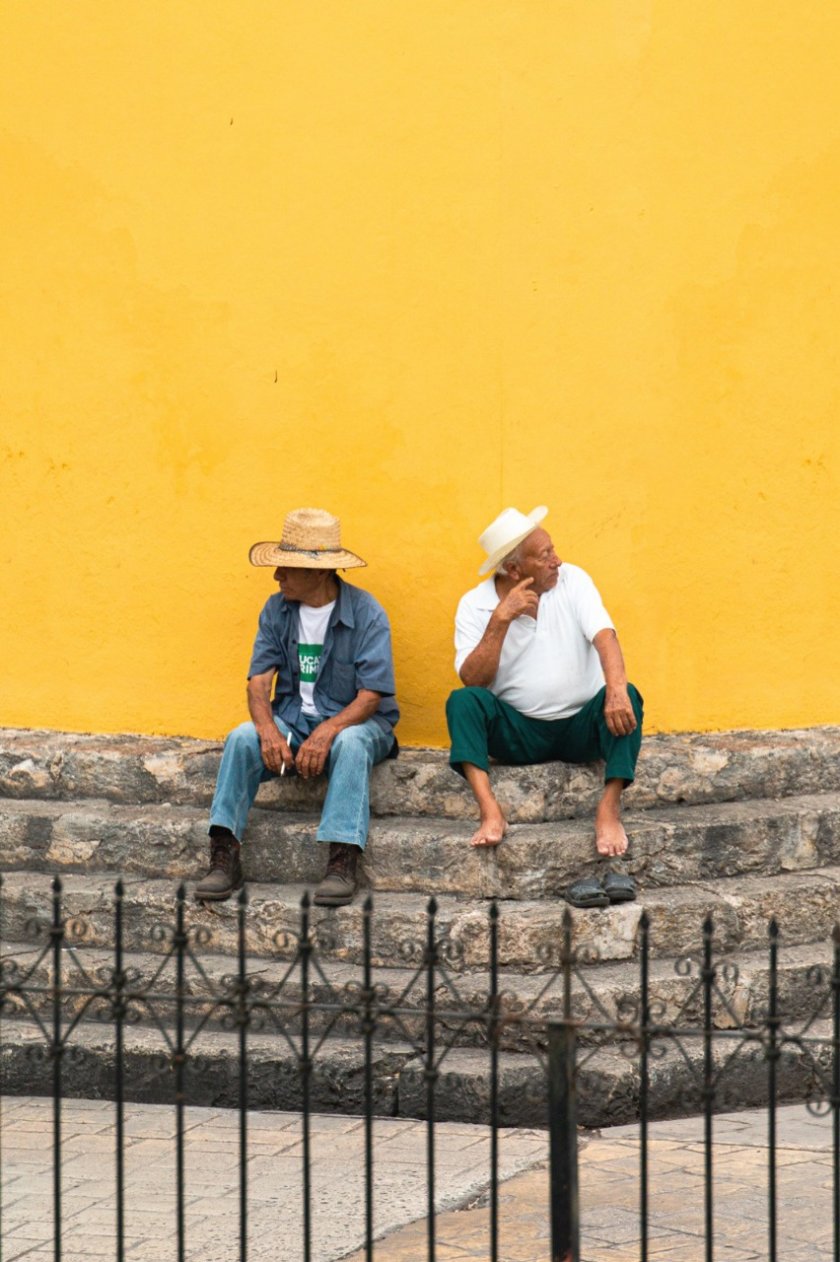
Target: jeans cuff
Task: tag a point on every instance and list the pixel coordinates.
(341, 841)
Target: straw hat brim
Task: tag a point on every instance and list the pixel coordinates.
(272, 554)
(536, 515)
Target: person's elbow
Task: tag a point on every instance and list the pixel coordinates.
(260, 685)
(472, 676)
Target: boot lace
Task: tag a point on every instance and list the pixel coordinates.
(340, 861)
(221, 855)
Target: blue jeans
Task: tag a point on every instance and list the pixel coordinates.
(346, 812)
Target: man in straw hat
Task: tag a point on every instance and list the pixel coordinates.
(544, 679)
(325, 646)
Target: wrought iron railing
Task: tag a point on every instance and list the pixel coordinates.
(58, 978)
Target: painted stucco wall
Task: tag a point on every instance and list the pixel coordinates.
(412, 261)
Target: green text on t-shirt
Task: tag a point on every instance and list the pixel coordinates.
(309, 659)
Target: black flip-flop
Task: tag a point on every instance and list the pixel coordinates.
(619, 887)
(587, 892)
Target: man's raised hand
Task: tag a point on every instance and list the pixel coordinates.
(519, 601)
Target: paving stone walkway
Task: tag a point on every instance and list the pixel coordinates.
(275, 1213)
(609, 1187)
(609, 1173)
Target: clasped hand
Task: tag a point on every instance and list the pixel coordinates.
(311, 757)
(313, 753)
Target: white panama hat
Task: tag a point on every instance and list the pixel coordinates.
(503, 534)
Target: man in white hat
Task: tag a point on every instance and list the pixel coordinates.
(544, 679)
(325, 648)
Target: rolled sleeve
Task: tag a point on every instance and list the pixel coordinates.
(374, 658)
(470, 625)
(267, 653)
(589, 608)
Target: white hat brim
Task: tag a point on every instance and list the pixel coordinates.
(536, 515)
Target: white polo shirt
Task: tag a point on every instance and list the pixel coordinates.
(548, 668)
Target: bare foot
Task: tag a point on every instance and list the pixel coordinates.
(610, 837)
(490, 831)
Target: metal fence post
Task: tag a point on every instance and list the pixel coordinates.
(57, 1048)
(431, 1073)
(562, 1123)
(835, 1089)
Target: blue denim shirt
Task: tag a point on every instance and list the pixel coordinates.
(357, 654)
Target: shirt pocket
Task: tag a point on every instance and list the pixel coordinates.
(340, 681)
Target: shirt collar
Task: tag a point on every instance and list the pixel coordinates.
(488, 597)
(343, 611)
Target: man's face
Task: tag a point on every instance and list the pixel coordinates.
(539, 561)
(300, 584)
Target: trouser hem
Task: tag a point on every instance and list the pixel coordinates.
(229, 824)
(619, 771)
(339, 840)
(458, 758)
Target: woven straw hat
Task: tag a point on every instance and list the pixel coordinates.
(503, 534)
(311, 541)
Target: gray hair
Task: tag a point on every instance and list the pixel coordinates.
(512, 558)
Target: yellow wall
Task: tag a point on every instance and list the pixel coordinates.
(412, 261)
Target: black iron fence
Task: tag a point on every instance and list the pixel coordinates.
(564, 1043)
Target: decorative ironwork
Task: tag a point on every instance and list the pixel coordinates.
(696, 1034)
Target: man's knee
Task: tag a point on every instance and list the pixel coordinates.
(468, 701)
(353, 744)
(243, 739)
(636, 700)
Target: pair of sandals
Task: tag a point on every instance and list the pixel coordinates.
(591, 891)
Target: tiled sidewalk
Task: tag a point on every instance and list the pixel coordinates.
(609, 1175)
(275, 1202)
(609, 1188)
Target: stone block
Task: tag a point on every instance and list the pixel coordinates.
(673, 768)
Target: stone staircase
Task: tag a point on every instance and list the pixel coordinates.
(742, 825)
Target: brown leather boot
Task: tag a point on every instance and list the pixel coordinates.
(339, 883)
(225, 873)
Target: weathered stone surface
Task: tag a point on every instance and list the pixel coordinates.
(608, 1083)
(598, 993)
(608, 1080)
(691, 768)
(462, 1089)
(744, 826)
(803, 903)
(211, 1077)
(530, 932)
(669, 845)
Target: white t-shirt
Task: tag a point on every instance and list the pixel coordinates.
(548, 668)
(312, 627)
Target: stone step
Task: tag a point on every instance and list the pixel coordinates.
(599, 993)
(691, 768)
(211, 1069)
(530, 931)
(607, 1078)
(669, 845)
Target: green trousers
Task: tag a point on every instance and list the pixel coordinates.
(481, 726)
